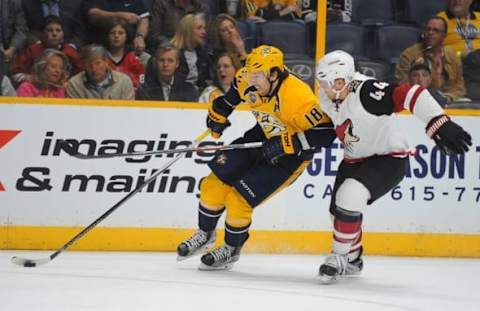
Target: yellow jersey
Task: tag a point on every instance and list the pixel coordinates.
(292, 107)
(463, 34)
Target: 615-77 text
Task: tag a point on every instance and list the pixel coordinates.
(429, 193)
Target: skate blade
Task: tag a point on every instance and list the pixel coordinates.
(328, 279)
(203, 250)
(353, 272)
(225, 267)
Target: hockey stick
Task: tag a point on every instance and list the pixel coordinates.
(36, 262)
(68, 148)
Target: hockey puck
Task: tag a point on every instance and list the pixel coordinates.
(29, 264)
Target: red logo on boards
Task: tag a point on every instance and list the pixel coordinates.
(5, 137)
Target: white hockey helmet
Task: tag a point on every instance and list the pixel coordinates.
(335, 65)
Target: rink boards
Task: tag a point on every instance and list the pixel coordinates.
(47, 196)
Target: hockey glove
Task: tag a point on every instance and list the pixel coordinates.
(278, 146)
(448, 135)
(217, 119)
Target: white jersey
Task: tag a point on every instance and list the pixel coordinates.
(365, 121)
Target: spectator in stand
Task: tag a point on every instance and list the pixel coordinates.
(53, 38)
(49, 75)
(6, 87)
(446, 68)
(100, 13)
(337, 10)
(98, 80)
(260, 11)
(38, 11)
(232, 7)
(471, 74)
(160, 81)
(13, 29)
(166, 14)
(226, 65)
(227, 37)
(190, 39)
(120, 58)
(463, 25)
(421, 74)
(464, 37)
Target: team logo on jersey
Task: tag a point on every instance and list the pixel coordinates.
(266, 51)
(221, 159)
(354, 86)
(271, 126)
(251, 97)
(345, 134)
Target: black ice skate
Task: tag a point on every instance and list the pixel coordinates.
(221, 258)
(199, 242)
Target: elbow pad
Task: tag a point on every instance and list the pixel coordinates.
(421, 103)
(220, 108)
(322, 135)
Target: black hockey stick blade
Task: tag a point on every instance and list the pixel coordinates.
(30, 263)
(74, 153)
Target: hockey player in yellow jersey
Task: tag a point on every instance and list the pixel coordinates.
(291, 125)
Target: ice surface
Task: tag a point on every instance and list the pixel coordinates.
(155, 281)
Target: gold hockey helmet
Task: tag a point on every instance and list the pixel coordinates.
(264, 58)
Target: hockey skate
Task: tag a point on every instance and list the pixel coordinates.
(354, 267)
(221, 258)
(199, 242)
(336, 266)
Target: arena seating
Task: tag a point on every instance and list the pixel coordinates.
(391, 40)
(290, 37)
(247, 34)
(378, 69)
(418, 12)
(302, 66)
(352, 38)
(373, 12)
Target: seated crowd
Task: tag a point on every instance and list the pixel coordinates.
(189, 50)
(445, 56)
(177, 50)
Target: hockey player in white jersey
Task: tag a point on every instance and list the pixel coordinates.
(363, 111)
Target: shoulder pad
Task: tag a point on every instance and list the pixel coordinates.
(376, 97)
